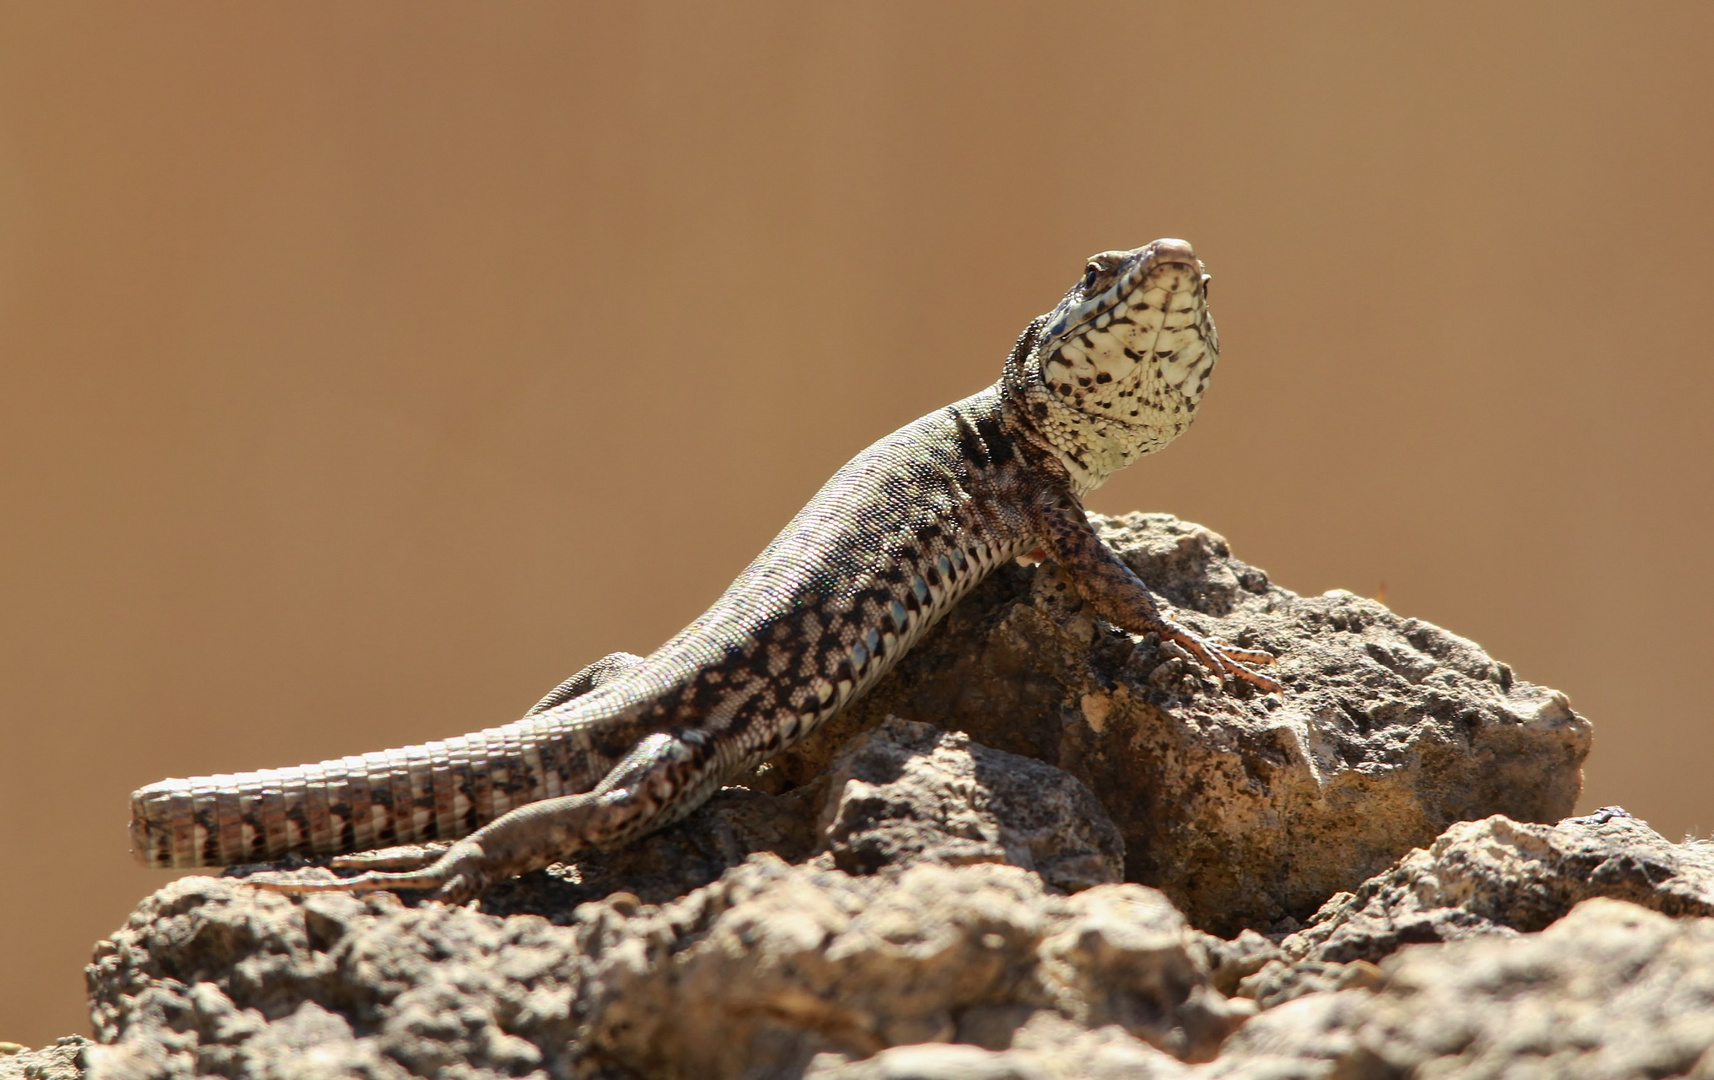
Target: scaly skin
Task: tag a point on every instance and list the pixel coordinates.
(886, 548)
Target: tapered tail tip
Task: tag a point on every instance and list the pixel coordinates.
(158, 813)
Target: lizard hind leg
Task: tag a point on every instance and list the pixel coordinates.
(446, 869)
(650, 788)
(604, 670)
(529, 838)
(450, 867)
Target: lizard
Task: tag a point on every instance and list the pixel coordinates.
(631, 744)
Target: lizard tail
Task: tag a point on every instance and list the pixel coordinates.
(432, 791)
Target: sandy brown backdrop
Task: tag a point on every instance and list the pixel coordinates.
(363, 373)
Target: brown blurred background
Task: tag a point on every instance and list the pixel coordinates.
(363, 372)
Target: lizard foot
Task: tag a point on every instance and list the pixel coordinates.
(453, 874)
(627, 803)
(1220, 659)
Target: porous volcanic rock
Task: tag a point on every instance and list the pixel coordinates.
(756, 974)
(909, 793)
(1490, 878)
(1499, 876)
(1611, 990)
(61, 1061)
(972, 898)
(1247, 809)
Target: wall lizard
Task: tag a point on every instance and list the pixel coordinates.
(630, 744)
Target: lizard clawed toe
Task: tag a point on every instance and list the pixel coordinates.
(293, 885)
(1223, 660)
(453, 873)
(403, 857)
(1246, 656)
(454, 888)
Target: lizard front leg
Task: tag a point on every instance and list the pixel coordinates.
(1118, 595)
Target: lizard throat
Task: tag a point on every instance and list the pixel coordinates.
(1126, 380)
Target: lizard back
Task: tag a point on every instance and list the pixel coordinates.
(881, 552)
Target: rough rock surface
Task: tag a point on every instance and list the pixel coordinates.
(61, 1061)
(1498, 876)
(773, 964)
(1611, 990)
(918, 794)
(1246, 809)
(1489, 878)
(898, 900)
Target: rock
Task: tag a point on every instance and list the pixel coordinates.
(61, 1061)
(771, 964)
(209, 976)
(895, 899)
(803, 962)
(1611, 990)
(1046, 1048)
(1248, 810)
(1490, 878)
(910, 793)
(734, 824)
(1498, 876)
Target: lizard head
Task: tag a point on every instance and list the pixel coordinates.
(1117, 369)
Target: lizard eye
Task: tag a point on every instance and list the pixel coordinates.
(1098, 272)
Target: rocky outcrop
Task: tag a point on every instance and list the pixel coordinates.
(1246, 809)
(935, 910)
(912, 793)
(1611, 990)
(61, 1061)
(1494, 878)
(1498, 876)
(1040, 849)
